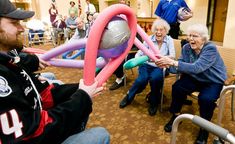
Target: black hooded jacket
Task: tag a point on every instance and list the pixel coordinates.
(32, 112)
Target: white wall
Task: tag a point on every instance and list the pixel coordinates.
(229, 37)
(200, 9)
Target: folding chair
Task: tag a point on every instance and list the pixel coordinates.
(40, 37)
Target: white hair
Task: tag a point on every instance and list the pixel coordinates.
(160, 22)
(201, 29)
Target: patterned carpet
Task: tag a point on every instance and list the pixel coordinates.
(133, 125)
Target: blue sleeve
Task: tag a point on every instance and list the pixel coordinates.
(184, 4)
(158, 10)
(206, 59)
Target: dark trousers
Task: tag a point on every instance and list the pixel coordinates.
(208, 95)
(119, 71)
(154, 76)
(174, 30)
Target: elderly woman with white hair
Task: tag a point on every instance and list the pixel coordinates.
(202, 69)
(149, 72)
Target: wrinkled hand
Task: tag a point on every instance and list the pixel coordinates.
(164, 62)
(188, 15)
(43, 64)
(92, 90)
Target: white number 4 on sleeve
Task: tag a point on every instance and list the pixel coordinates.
(16, 124)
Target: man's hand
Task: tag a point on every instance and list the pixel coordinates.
(92, 90)
(43, 64)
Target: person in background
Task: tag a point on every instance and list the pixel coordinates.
(122, 1)
(90, 20)
(73, 8)
(89, 8)
(39, 113)
(148, 71)
(36, 27)
(89, 23)
(202, 69)
(80, 31)
(59, 26)
(168, 10)
(71, 25)
(53, 12)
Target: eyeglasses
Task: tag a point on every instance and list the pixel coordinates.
(159, 30)
(193, 36)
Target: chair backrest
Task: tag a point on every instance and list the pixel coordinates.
(227, 55)
(177, 44)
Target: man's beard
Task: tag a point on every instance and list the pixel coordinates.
(10, 44)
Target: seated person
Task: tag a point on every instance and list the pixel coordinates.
(149, 72)
(80, 31)
(36, 27)
(90, 20)
(202, 69)
(58, 27)
(70, 25)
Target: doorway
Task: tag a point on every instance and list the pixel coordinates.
(217, 19)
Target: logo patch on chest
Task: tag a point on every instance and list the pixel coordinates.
(5, 90)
